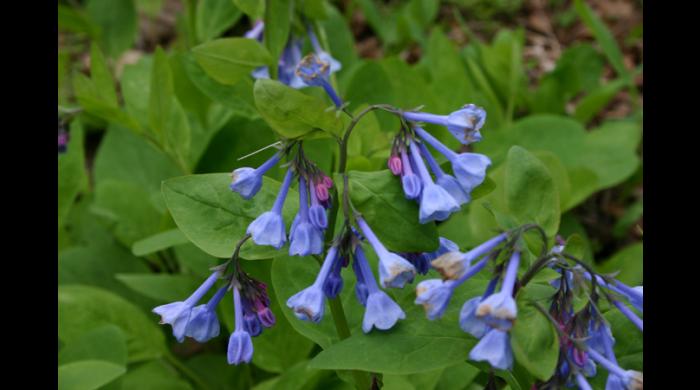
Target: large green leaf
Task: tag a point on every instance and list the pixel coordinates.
(253, 8)
(610, 151)
(228, 60)
(82, 308)
(136, 88)
(158, 242)
(380, 198)
(531, 195)
(535, 342)
(88, 374)
(167, 119)
(106, 343)
(153, 375)
(163, 288)
(628, 262)
(214, 218)
(214, 17)
(292, 113)
(101, 76)
(117, 20)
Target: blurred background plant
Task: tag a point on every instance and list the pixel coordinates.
(560, 78)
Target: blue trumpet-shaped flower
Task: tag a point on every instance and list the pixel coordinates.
(464, 124)
(268, 228)
(361, 290)
(436, 204)
(453, 264)
(495, 349)
(178, 314)
(204, 323)
(334, 282)
(240, 346)
(410, 182)
(626, 379)
(468, 320)
(444, 247)
(434, 295)
(469, 168)
(394, 270)
(582, 382)
(499, 310)
(381, 311)
(447, 182)
(322, 54)
(304, 238)
(314, 71)
(309, 303)
(248, 181)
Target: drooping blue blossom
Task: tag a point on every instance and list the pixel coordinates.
(381, 311)
(334, 282)
(464, 124)
(447, 182)
(335, 65)
(444, 247)
(268, 228)
(410, 182)
(453, 264)
(289, 58)
(178, 314)
(394, 270)
(635, 295)
(499, 310)
(204, 323)
(495, 349)
(309, 303)
(317, 213)
(468, 320)
(436, 204)
(627, 379)
(304, 238)
(361, 290)
(251, 323)
(247, 181)
(314, 71)
(468, 168)
(240, 346)
(634, 318)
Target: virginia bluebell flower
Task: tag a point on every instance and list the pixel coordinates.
(251, 323)
(381, 311)
(464, 123)
(322, 54)
(394, 270)
(204, 323)
(444, 247)
(268, 228)
(240, 346)
(178, 314)
(304, 238)
(635, 295)
(257, 31)
(411, 182)
(247, 181)
(629, 379)
(469, 168)
(395, 165)
(291, 55)
(453, 264)
(314, 71)
(436, 204)
(634, 318)
(495, 349)
(309, 303)
(468, 320)
(334, 282)
(499, 310)
(317, 213)
(448, 182)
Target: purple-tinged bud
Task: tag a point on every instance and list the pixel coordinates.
(317, 213)
(411, 182)
(395, 165)
(63, 138)
(327, 181)
(251, 324)
(321, 192)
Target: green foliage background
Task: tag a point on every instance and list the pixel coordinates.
(145, 209)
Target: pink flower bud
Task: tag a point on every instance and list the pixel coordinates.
(327, 181)
(395, 165)
(321, 192)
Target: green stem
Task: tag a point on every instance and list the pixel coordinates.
(187, 371)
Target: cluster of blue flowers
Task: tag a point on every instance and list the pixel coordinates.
(298, 72)
(251, 307)
(445, 194)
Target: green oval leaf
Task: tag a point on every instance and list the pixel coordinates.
(535, 343)
(227, 60)
(88, 374)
